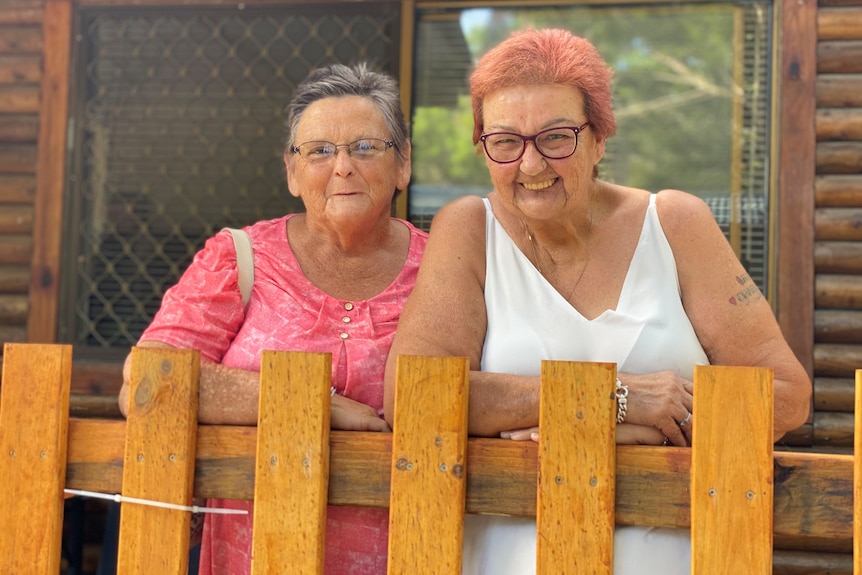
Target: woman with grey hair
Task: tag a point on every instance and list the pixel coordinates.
(332, 280)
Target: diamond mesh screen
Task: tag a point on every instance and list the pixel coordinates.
(178, 131)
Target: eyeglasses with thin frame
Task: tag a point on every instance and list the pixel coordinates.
(553, 143)
(319, 151)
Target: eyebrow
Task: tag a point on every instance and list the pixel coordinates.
(549, 124)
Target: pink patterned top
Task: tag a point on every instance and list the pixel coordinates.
(287, 312)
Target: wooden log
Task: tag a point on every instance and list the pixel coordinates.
(14, 279)
(839, 157)
(839, 57)
(839, 23)
(838, 257)
(838, 291)
(20, 69)
(13, 334)
(833, 326)
(34, 444)
(17, 189)
(836, 359)
(291, 477)
(833, 394)
(833, 429)
(95, 406)
(838, 224)
(13, 309)
(19, 99)
(19, 40)
(813, 491)
(15, 249)
(839, 123)
(786, 562)
(577, 421)
(428, 468)
(16, 220)
(159, 461)
(731, 471)
(802, 436)
(25, 13)
(839, 91)
(17, 158)
(841, 191)
(19, 127)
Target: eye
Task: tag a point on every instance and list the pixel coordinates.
(504, 140)
(318, 149)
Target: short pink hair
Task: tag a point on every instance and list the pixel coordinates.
(547, 56)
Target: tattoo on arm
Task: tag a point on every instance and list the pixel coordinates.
(749, 292)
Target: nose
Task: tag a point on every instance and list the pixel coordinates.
(342, 164)
(532, 162)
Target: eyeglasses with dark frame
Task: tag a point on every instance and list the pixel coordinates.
(553, 143)
(319, 151)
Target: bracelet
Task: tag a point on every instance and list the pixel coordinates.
(621, 393)
(332, 391)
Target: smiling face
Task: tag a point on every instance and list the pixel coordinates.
(536, 187)
(345, 188)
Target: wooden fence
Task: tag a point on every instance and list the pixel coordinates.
(739, 499)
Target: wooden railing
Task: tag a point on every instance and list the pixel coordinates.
(738, 497)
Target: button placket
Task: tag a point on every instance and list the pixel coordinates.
(348, 306)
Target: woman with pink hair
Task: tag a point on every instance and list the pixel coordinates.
(557, 264)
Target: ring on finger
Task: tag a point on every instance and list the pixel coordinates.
(686, 420)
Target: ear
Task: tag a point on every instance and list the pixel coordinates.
(290, 169)
(405, 170)
(600, 151)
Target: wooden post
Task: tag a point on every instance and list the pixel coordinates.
(159, 461)
(429, 456)
(857, 480)
(577, 478)
(34, 423)
(732, 471)
(292, 465)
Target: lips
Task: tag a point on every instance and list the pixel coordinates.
(538, 185)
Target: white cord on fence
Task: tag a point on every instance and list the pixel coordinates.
(126, 499)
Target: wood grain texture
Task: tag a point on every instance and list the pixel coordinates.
(33, 456)
(833, 291)
(731, 471)
(51, 173)
(839, 191)
(839, 157)
(577, 469)
(833, 326)
(838, 258)
(838, 224)
(797, 49)
(813, 491)
(19, 128)
(834, 394)
(841, 56)
(159, 461)
(292, 464)
(839, 123)
(837, 359)
(429, 466)
(843, 23)
(857, 480)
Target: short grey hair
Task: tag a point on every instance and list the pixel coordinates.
(339, 80)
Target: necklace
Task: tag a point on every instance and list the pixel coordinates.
(586, 260)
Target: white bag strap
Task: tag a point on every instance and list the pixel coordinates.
(244, 263)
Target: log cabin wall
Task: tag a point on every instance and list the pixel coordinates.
(838, 222)
(20, 77)
(837, 337)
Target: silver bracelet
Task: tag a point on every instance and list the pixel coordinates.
(332, 391)
(622, 393)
